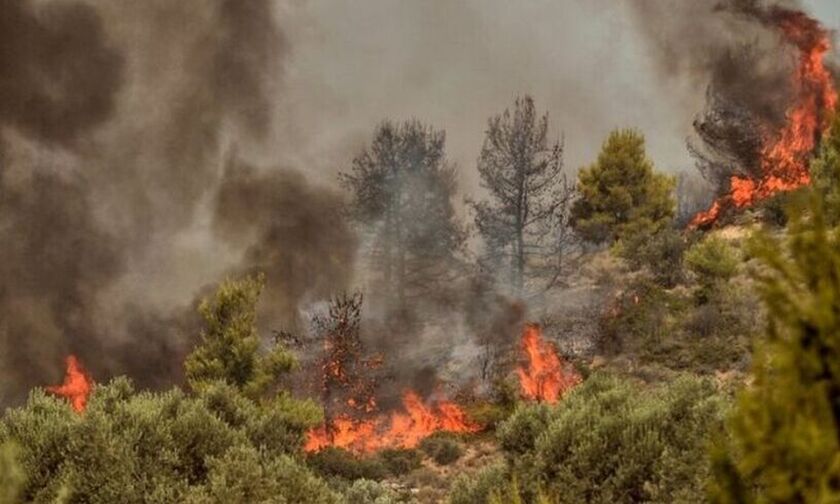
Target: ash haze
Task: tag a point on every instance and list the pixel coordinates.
(148, 149)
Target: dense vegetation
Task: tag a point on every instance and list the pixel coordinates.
(662, 414)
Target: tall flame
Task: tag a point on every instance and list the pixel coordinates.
(543, 377)
(784, 158)
(77, 385)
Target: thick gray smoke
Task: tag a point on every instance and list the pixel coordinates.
(115, 120)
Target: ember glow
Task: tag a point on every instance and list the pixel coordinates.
(76, 387)
(544, 377)
(403, 429)
(784, 157)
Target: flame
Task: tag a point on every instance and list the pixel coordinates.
(784, 158)
(543, 378)
(76, 387)
(403, 429)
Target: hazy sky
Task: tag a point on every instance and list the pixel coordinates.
(453, 64)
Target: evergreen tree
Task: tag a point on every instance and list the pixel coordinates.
(230, 348)
(403, 185)
(784, 444)
(825, 172)
(621, 194)
(524, 223)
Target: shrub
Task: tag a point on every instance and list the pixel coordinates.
(714, 261)
(12, 476)
(400, 461)
(661, 253)
(477, 488)
(612, 440)
(364, 491)
(161, 447)
(344, 464)
(442, 449)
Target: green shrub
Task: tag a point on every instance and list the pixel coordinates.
(442, 449)
(400, 461)
(661, 253)
(714, 261)
(147, 447)
(345, 464)
(12, 476)
(613, 440)
(364, 491)
(478, 488)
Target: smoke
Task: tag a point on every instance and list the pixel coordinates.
(115, 119)
(296, 234)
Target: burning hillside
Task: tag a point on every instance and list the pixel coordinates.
(784, 153)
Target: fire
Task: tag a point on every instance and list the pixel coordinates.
(543, 378)
(784, 157)
(402, 429)
(76, 387)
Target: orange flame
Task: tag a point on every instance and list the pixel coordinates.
(543, 378)
(404, 429)
(784, 159)
(76, 387)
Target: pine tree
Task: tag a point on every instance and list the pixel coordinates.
(784, 441)
(621, 194)
(403, 186)
(524, 223)
(230, 348)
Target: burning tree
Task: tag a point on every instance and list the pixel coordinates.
(746, 153)
(348, 382)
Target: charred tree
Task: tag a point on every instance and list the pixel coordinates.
(525, 220)
(348, 381)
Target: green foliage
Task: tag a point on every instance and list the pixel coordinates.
(400, 461)
(825, 173)
(621, 194)
(163, 447)
(345, 464)
(669, 328)
(611, 440)
(364, 491)
(12, 476)
(661, 253)
(783, 444)
(478, 488)
(712, 260)
(442, 448)
(230, 346)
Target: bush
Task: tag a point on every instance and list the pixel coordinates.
(442, 449)
(365, 491)
(136, 447)
(612, 440)
(344, 464)
(714, 261)
(661, 253)
(11, 474)
(473, 489)
(400, 461)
